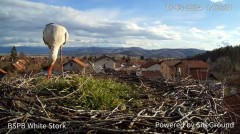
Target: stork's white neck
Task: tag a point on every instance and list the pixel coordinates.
(54, 53)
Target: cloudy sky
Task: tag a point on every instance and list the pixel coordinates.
(150, 24)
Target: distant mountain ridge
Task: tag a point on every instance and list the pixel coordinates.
(112, 51)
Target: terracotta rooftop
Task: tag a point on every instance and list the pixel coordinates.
(172, 63)
(21, 61)
(139, 63)
(197, 64)
(2, 71)
(20, 64)
(79, 62)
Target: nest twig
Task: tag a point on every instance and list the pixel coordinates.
(183, 101)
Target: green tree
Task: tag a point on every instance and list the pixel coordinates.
(90, 58)
(128, 59)
(209, 60)
(85, 57)
(123, 58)
(223, 65)
(141, 57)
(13, 54)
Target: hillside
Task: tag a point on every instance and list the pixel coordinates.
(137, 52)
(233, 52)
(131, 51)
(225, 63)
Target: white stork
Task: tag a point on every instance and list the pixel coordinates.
(54, 36)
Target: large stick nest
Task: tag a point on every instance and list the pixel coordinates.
(174, 101)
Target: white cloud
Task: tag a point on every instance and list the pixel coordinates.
(23, 17)
(220, 27)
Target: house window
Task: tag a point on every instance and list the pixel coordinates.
(71, 64)
(179, 71)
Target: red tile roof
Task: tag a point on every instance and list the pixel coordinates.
(79, 62)
(21, 61)
(2, 71)
(172, 63)
(20, 64)
(197, 64)
(139, 63)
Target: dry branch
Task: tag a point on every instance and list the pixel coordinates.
(172, 101)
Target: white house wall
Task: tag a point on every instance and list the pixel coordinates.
(108, 63)
(155, 67)
(75, 67)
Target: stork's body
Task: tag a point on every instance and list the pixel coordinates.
(54, 36)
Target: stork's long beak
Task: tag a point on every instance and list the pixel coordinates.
(50, 70)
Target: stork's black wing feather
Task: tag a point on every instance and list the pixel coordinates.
(49, 24)
(44, 39)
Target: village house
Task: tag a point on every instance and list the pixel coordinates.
(130, 70)
(168, 68)
(104, 62)
(3, 58)
(20, 64)
(75, 66)
(125, 67)
(2, 73)
(36, 60)
(197, 69)
(175, 68)
(150, 69)
(139, 63)
(151, 66)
